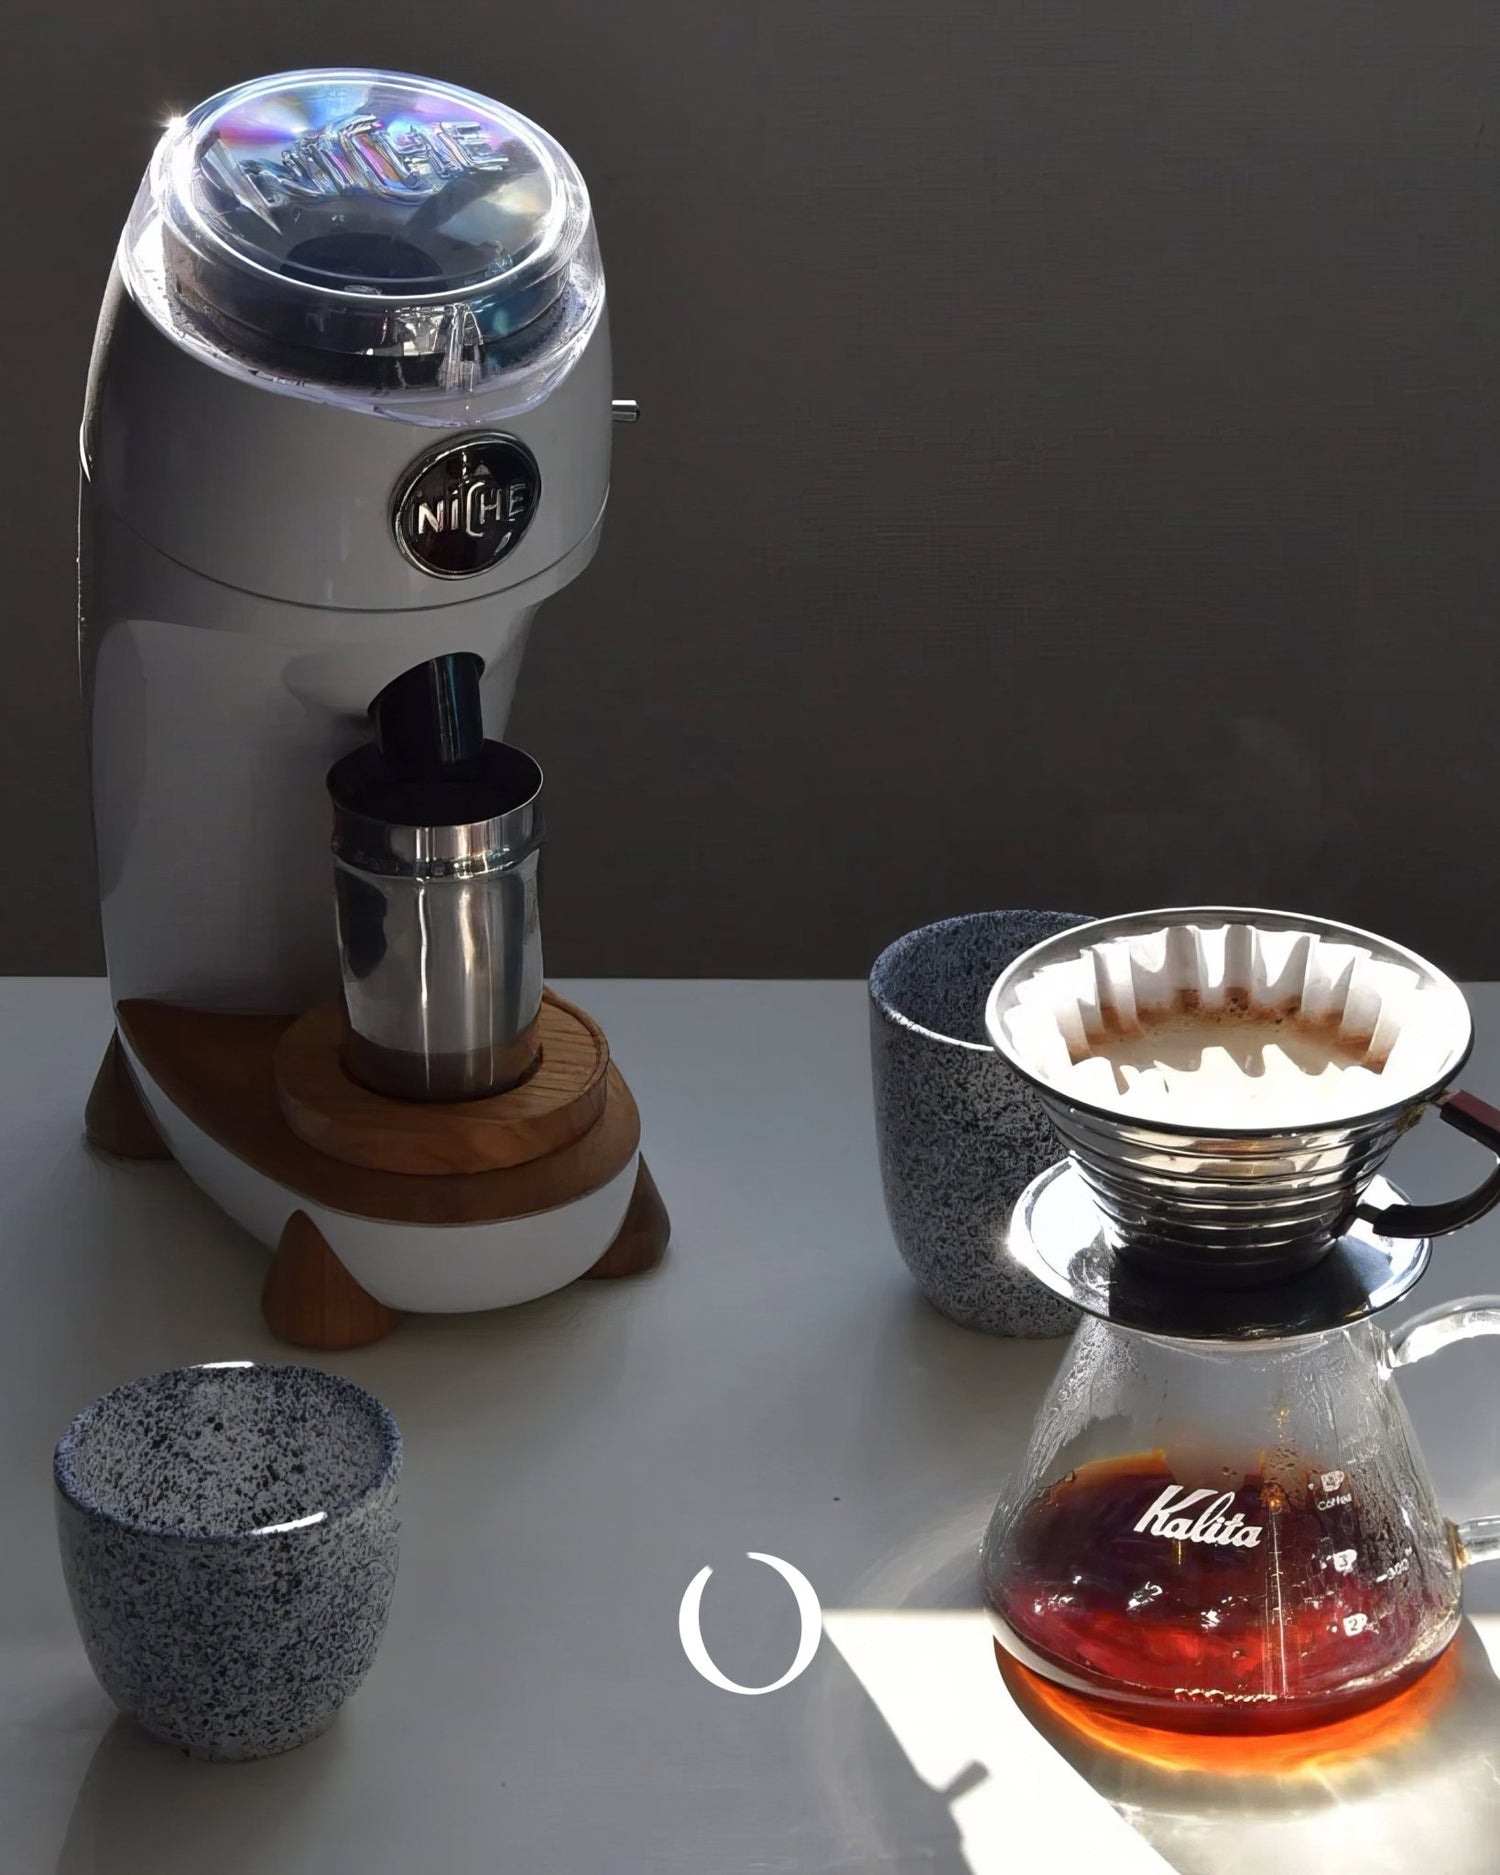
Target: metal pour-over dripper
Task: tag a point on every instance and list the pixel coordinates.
(1181, 1189)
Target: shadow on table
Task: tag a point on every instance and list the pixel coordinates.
(881, 1812)
(145, 1808)
(1411, 1784)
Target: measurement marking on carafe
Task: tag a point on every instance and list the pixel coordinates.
(1326, 1487)
(1272, 1500)
(1343, 1561)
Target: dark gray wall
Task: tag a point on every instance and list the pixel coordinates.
(1068, 476)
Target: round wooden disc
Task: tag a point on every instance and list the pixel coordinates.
(334, 1113)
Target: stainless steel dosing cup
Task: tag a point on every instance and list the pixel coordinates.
(439, 938)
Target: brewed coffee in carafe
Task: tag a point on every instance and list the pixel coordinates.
(1228, 1536)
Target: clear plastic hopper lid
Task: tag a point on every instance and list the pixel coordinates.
(361, 233)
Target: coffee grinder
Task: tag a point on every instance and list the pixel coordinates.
(348, 423)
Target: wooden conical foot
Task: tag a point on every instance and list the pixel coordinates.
(311, 1300)
(115, 1119)
(641, 1241)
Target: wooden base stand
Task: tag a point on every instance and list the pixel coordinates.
(561, 1102)
(271, 1090)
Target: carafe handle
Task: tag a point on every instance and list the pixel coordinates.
(1428, 1333)
(1471, 1115)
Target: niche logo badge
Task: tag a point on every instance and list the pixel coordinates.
(460, 509)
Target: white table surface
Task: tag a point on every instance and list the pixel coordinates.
(777, 1386)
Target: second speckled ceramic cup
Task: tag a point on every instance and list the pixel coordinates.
(228, 1537)
(960, 1135)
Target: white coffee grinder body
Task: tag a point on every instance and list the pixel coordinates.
(349, 410)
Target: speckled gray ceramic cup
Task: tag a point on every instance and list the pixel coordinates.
(228, 1537)
(960, 1135)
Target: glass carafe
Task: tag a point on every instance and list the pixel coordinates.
(1233, 1535)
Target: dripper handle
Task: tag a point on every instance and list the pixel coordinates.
(1429, 1332)
(1480, 1121)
